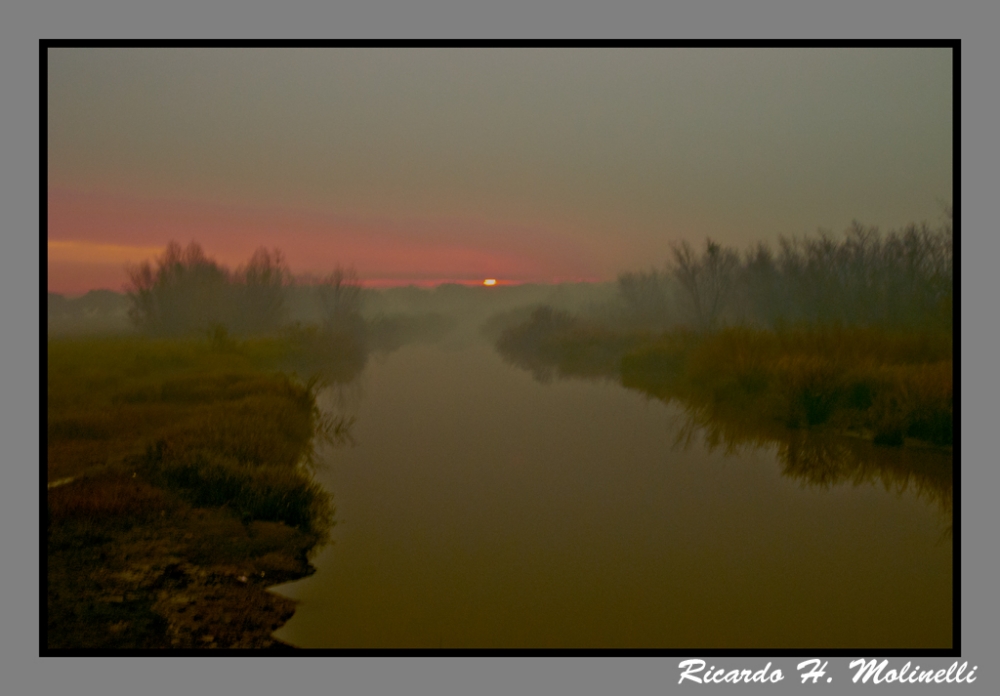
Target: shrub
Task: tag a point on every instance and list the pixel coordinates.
(183, 291)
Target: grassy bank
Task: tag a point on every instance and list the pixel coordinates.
(179, 490)
(883, 385)
(800, 391)
(795, 390)
(886, 386)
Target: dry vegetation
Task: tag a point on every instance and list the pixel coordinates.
(182, 490)
(884, 385)
(853, 335)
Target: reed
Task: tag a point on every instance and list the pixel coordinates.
(888, 384)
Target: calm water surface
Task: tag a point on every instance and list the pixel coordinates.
(481, 508)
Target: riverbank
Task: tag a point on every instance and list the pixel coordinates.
(890, 387)
(185, 490)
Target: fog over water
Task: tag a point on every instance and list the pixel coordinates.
(482, 508)
(498, 485)
(699, 408)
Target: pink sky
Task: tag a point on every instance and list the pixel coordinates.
(429, 165)
(93, 237)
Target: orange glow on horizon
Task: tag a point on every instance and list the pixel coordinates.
(490, 281)
(94, 236)
(80, 251)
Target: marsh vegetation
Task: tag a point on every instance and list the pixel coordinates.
(184, 479)
(180, 454)
(852, 335)
(830, 353)
(177, 467)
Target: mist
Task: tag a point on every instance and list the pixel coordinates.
(451, 349)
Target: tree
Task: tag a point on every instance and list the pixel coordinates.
(186, 291)
(340, 300)
(708, 281)
(762, 300)
(260, 288)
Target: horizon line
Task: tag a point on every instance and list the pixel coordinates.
(305, 280)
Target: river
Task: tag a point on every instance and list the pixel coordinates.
(479, 508)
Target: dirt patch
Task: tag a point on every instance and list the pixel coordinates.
(197, 578)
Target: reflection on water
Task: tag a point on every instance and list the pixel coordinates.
(814, 457)
(482, 508)
(338, 403)
(828, 459)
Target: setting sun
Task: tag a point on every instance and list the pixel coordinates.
(714, 381)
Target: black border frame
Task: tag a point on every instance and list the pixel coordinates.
(956, 52)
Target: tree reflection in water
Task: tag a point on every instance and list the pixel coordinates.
(825, 459)
(813, 456)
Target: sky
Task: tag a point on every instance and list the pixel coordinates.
(427, 165)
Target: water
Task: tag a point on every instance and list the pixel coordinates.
(480, 508)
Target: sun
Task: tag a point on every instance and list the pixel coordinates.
(490, 281)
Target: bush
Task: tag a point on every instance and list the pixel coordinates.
(260, 291)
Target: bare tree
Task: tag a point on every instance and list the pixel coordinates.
(261, 287)
(708, 281)
(340, 299)
(903, 278)
(186, 291)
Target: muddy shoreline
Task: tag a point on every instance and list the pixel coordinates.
(179, 490)
(156, 585)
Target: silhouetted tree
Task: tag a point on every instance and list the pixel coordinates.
(340, 301)
(260, 291)
(185, 291)
(760, 298)
(708, 281)
(900, 279)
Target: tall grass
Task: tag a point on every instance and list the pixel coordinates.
(852, 333)
(267, 492)
(889, 385)
(181, 484)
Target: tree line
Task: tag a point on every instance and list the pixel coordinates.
(183, 291)
(902, 279)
